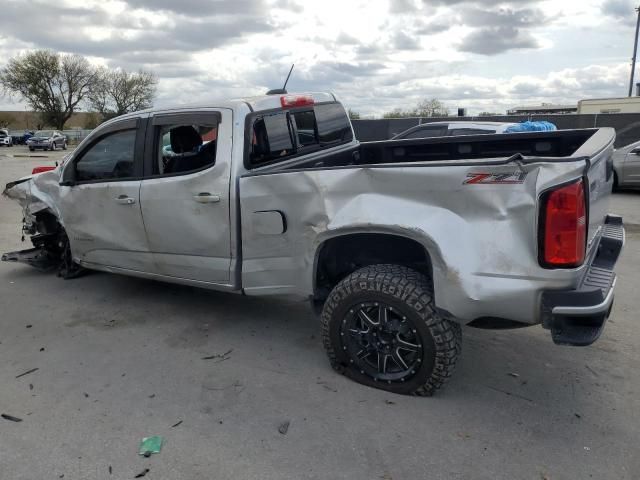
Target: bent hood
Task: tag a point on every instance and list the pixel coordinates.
(36, 192)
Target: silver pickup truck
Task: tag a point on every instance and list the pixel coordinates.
(397, 243)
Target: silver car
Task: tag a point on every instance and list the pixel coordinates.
(626, 165)
(397, 243)
(47, 140)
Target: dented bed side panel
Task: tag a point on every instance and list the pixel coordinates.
(481, 235)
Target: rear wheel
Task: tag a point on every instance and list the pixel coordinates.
(52, 147)
(64, 145)
(380, 328)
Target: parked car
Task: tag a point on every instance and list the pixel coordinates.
(5, 138)
(47, 140)
(453, 128)
(441, 129)
(20, 138)
(397, 243)
(626, 163)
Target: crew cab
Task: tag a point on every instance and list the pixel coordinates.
(397, 244)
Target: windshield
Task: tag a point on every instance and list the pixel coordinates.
(43, 133)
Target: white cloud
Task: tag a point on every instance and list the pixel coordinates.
(376, 55)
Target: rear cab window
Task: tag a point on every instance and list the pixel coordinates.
(280, 135)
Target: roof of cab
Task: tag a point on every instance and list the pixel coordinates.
(256, 103)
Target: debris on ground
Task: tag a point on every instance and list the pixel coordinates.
(86, 395)
(389, 402)
(591, 370)
(514, 375)
(42, 349)
(176, 424)
(10, 418)
(327, 386)
(31, 386)
(578, 415)
(153, 395)
(28, 372)
(110, 470)
(142, 473)
(150, 445)
(29, 326)
(284, 427)
(237, 385)
(220, 357)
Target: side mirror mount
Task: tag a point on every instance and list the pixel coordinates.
(68, 175)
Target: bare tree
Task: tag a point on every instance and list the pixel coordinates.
(426, 108)
(432, 108)
(51, 83)
(353, 115)
(118, 92)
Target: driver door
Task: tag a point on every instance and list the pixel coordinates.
(100, 206)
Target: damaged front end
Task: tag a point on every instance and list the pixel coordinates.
(41, 222)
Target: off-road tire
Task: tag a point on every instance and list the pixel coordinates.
(411, 293)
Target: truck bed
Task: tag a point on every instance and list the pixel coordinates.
(461, 150)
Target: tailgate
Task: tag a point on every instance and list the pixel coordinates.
(598, 150)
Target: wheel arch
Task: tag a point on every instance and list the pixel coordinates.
(344, 252)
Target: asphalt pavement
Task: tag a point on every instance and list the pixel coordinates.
(217, 375)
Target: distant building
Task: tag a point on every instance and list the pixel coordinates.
(610, 105)
(544, 109)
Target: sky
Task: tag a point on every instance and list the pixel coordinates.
(375, 55)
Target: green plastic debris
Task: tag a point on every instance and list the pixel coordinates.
(150, 445)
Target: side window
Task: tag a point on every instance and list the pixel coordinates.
(427, 132)
(112, 157)
(469, 131)
(333, 123)
(271, 138)
(183, 148)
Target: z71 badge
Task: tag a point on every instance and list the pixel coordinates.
(509, 178)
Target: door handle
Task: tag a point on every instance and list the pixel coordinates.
(124, 200)
(206, 197)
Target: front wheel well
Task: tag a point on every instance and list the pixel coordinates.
(340, 256)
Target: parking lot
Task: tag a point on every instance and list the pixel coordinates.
(216, 375)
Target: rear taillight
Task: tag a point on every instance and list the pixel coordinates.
(563, 238)
(41, 169)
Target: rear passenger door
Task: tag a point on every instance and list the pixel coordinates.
(184, 195)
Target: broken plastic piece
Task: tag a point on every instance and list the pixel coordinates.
(150, 445)
(10, 418)
(142, 473)
(284, 427)
(27, 372)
